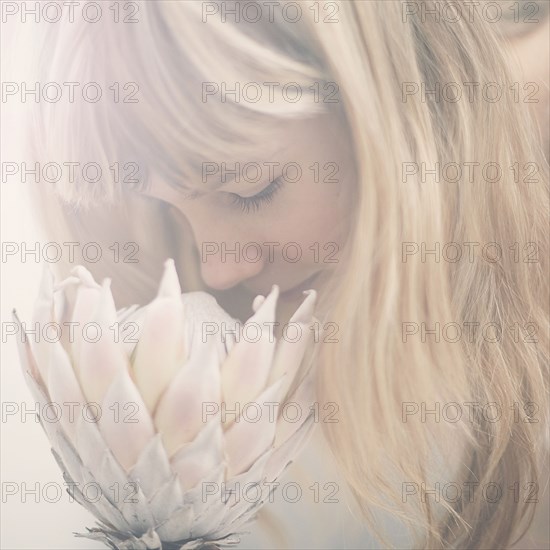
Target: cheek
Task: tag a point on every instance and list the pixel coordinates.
(533, 51)
(315, 219)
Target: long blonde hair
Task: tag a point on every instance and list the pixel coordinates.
(374, 372)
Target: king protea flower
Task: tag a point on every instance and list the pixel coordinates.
(161, 458)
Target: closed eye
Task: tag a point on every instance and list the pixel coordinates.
(255, 202)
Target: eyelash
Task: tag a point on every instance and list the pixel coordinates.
(254, 203)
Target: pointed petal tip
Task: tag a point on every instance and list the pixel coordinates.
(272, 297)
(84, 276)
(71, 280)
(105, 309)
(260, 299)
(265, 306)
(310, 297)
(257, 303)
(304, 313)
(169, 285)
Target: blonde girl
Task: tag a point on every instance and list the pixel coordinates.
(420, 212)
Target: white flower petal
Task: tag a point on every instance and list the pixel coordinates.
(169, 286)
(101, 361)
(160, 352)
(64, 389)
(125, 422)
(244, 486)
(167, 500)
(179, 415)
(282, 456)
(302, 400)
(195, 460)
(246, 371)
(84, 277)
(152, 470)
(83, 313)
(28, 362)
(43, 314)
(178, 526)
(90, 443)
(247, 439)
(97, 504)
(289, 354)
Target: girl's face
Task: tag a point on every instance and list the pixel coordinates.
(281, 219)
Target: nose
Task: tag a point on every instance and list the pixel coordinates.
(224, 260)
(223, 264)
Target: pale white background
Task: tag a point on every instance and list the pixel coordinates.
(25, 455)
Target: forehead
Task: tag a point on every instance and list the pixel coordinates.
(274, 145)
